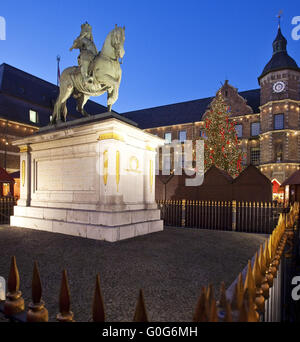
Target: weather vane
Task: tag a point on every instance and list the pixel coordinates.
(279, 17)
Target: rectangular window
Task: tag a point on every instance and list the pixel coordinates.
(255, 129)
(239, 130)
(182, 136)
(278, 121)
(255, 155)
(166, 163)
(33, 116)
(168, 138)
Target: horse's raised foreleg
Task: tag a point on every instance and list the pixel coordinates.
(113, 92)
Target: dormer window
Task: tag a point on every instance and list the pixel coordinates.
(182, 136)
(168, 137)
(33, 116)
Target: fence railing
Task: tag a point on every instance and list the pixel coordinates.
(268, 275)
(257, 294)
(6, 209)
(254, 217)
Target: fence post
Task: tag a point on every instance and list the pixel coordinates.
(14, 303)
(233, 225)
(64, 315)
(98, 306)
(37, 311)
(140, 314)
(183, 213)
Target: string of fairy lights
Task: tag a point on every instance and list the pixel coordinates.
(5, 137)
(271, 108)
(265, 137)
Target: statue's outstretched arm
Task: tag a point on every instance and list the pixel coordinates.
(76, 44)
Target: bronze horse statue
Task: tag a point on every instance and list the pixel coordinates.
(104, 74)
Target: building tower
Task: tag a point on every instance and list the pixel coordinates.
(280, 113)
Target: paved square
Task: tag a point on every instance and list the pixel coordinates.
(170, 266)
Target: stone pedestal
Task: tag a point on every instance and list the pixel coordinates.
(93, 177)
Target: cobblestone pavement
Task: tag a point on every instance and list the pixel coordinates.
(170, 266)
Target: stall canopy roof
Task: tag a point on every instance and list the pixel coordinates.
(5, 177)
(293, 179)
(15, 174)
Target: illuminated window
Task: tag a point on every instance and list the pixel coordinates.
(182, 136)
(254, 155)
(255, 129)
(202, 134)
(166, 162)
(33, 116)
(239, 130)
(278, 121)
(168, 138)
(244, 159)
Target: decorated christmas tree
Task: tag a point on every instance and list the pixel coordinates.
(221, 146)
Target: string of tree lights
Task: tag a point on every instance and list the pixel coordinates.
(221, 147)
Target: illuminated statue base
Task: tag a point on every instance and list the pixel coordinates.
(92, 177)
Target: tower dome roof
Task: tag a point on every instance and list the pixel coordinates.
(280, 59)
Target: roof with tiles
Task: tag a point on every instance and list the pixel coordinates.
(293, 179)
(21, 91)
(5, 177)
(280, 59)
(184, 112)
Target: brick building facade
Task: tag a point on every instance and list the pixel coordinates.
(26, 104)
(267, 119)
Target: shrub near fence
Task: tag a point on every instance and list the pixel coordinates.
(6, 209)
(252, 217)
(254, 297)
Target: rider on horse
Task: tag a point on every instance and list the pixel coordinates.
(88, 51)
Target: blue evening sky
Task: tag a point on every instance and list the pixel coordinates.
(175, 50)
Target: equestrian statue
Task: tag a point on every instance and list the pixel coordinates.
(96, 73)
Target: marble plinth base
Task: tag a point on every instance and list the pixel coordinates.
(92, 177)
(108, 226)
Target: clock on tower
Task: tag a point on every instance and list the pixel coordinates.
(278, 87)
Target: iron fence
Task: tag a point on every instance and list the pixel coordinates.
(257, 217)
(252, 217)
(260, 293)
(6, 209)
(271, 271)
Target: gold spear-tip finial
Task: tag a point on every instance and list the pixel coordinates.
(279, 15)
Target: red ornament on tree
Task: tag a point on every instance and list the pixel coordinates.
(220, 133)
